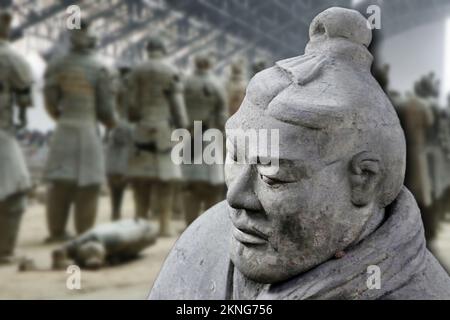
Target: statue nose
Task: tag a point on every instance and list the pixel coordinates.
(241, 194)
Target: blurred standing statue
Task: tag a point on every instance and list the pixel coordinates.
(79, 93)
(157, 107)
(206, 102)
(328, 217)
(416, 117)
(119, 145)
(438, 162)
(236, 87)
(440, 170)
(15, 90)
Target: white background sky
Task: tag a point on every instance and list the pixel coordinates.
(414, 53)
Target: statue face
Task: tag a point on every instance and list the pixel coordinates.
(203, 63)
(288, 222)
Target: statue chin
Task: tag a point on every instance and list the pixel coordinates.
(260, 270)
(263, 273)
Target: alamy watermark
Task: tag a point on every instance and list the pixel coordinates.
(71, 20)
(374, 18)
(252, 146)
(73, 281)
(374, 279)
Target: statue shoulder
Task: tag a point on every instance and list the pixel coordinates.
(170, 68)
(57, 64)
(100, 66)
(106, 73)
(218, 84)
(197, 265)
(20, 68)
(171, 72)
(432, 283)
(192, 82)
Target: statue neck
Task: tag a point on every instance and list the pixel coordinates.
(375, 220)
(244, 288)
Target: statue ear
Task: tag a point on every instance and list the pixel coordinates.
(364, 177)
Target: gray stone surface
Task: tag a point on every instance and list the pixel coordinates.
(335, 206)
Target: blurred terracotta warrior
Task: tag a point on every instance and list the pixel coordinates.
(107, 244)
(15, 86)
(119, 146)
(443, 137)
(206, 102)
(236, 87)
(79, 95)
(438, 159)
(417, 118)
(156, 108)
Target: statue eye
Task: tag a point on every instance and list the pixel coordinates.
(270, 181)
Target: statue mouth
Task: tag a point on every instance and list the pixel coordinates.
(250, 237)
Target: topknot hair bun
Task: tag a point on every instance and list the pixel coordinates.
(341, 23)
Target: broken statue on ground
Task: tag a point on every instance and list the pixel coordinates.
(329, 206)
(106, 244)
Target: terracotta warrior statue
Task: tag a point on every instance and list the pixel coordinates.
(79, 95)
(236, 86)
(206, 102)
(156, 108)
(416, 113)
(323, 214)
(15, 182)
(119, 143)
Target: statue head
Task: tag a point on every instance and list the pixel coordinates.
(340, 154)
(156, 47)
(203, 62)
(84, 38)
(237, 67)
(92, 254)
(427, 86)
(5, 23)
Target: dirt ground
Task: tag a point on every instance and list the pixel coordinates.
(130, 281)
